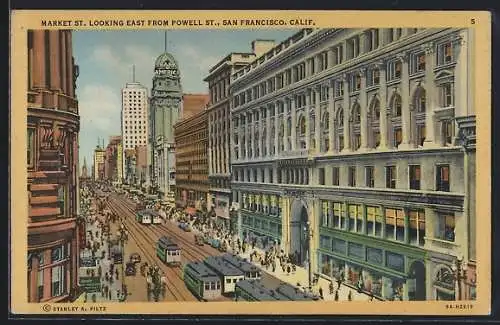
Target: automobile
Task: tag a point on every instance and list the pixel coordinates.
(135, 258)
(130, 269)
(199, 240)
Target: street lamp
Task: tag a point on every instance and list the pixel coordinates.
(309, 234)
(459, 269)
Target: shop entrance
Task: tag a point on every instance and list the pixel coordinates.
(299, 241)
(416, 282)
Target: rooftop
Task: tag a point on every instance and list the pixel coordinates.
(219, 265)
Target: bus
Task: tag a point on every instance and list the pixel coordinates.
(168, 251)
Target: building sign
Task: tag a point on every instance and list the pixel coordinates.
(356, 250)
(374, 255)
(88, 262)
(339, 245)
(91, 284)
(395, 261)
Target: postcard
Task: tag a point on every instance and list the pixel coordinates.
(250, 162)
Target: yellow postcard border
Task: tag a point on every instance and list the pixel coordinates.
(480, 21)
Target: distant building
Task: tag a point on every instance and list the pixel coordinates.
(192, 104)
(192, 161)
(219, 132)
(99, 159)
(141, 166)
(85, 172)
(165, 110)
(134, 117)
(130, 165)
(112, 159)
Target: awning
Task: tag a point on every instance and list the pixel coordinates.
(190, 210)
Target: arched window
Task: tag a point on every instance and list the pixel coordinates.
(419, 100)
(356, 115)
(340, 129)
(289, 126)
(375, 110)
(326, 121)
(396, 105)
(302, 126)
(340, 118)
(374, 125)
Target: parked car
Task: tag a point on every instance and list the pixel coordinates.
(135, 258)
(130, 269)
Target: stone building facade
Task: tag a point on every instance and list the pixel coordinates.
(191, 139)
(219, 171)
(52, 162)
(354, 149)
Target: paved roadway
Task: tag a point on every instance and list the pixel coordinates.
(142, 240)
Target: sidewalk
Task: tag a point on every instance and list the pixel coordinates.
(301, 275)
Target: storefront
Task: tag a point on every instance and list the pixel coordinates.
(265, 230)
(385, 270)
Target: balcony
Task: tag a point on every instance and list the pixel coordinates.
(51, 100)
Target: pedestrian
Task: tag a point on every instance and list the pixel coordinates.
(331, 286)
(349, 296)
(288, 269)
(336, 295)
(109, 295)
(321, 293)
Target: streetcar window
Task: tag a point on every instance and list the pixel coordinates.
(218, 285)
(207, 286)
(212, 285)
(228, 280)
(234, 280)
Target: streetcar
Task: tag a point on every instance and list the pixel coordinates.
(251, 271)
(168, 251)
(202, 281)
(254, 290)
(156, 218)
(293, 293)
(229, 275)
(143, 217)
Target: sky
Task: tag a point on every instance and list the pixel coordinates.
(105, 60)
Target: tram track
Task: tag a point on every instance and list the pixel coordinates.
(142, 239)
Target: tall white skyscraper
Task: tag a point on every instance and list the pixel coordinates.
(134, 119)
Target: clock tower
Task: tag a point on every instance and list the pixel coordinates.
(165, 111)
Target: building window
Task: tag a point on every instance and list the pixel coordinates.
(390, 176)
(394, 70)
(443, 178)
(57, 280)
(339, 89)
(417, 227)
(374, 221)
(335, 176)
(446, 227)
(369, 176)
(420, 100)
(398, 137)
(355, 218)
(394, 224)
(446, 95)
(421, 132)
(321, 176)
(414, 177)
(448, 132)
(396, 106)
(31, 147)
(352, 176)
(355, 82)
(302, 126)
(61, 200)
(373, 77)
(417, 63)
(444, 53)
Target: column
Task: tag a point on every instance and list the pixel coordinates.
(330, 58)
(55, 60)
(308, 117)
(362, 43)
(268, 129)
(344, 49)
(383, 106)
(64, 74)
(317, 117)
(430, 97)
(39, 59)
(405, 103)
(276, 130)
(248, 128)
(407, 225)
(35, 264)
(69, 63)
(346, 107)
(240, 138)
(47, 273)
(294, 122)
(286, 105)
(365, 217)
(364, 110)
(331, 117)
(382, 213)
